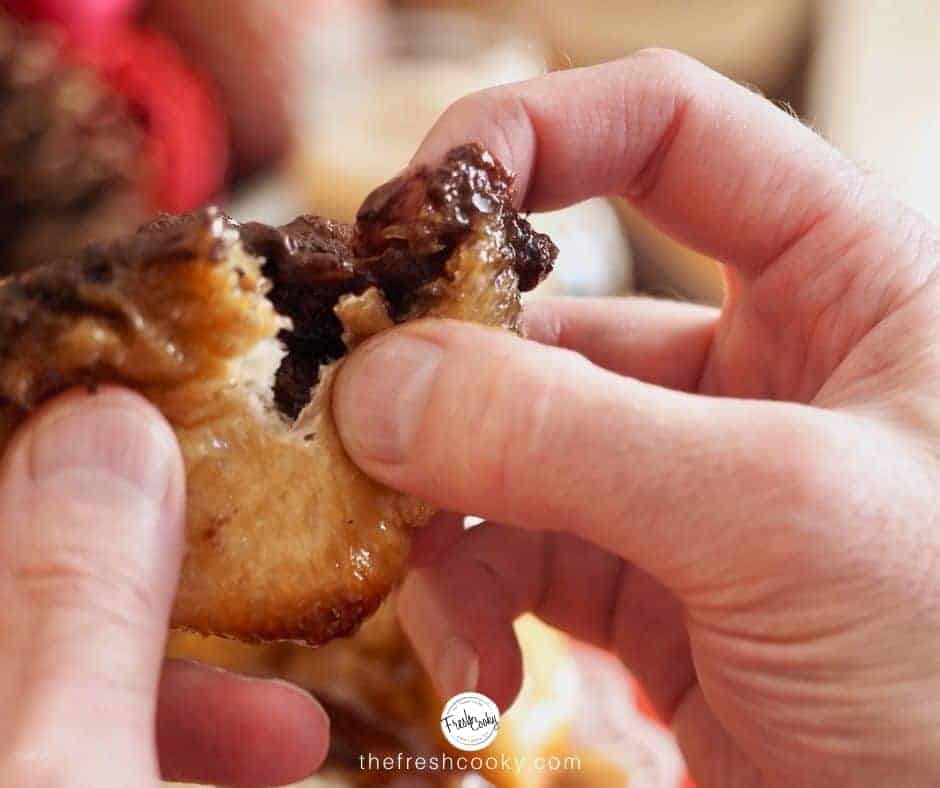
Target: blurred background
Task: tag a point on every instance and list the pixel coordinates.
(112, 111)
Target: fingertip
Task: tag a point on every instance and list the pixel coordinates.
(466, 417)
(218, 727)
(105, 396)
(106, 426)
(102, 473)
(461, 629)
(288, 720)
(502, 682)
(380, 395)
(495, 118)
(91, 501)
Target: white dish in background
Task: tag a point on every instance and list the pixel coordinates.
(594, 254)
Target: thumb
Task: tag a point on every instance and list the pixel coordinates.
(480, 421)
(91, 513)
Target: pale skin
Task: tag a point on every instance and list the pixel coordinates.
(739, 504)
(91, 504)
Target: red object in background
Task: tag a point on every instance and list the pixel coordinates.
(185, 128)
(184, 122)
(73, 12)
(248, 48)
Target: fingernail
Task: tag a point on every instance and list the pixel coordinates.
(107, 434)
(381, 394)
(458, 669)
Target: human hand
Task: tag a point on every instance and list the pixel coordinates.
(741, 505)
(91, 507)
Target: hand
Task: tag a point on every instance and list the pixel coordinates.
(742, 505)
(91, 506)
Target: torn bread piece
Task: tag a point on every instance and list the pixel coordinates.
(235, 331)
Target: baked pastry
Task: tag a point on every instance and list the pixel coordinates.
(234, 332)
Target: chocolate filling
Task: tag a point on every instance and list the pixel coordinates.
(404, 234)
(402, 239)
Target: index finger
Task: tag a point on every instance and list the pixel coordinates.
(716, 165)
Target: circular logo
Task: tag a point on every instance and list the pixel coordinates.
(470, 721)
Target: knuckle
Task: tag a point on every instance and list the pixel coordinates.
(809, 470)
(73, 581)
(526, 453)
(662, 59)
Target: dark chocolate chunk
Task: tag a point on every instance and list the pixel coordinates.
(403, 237)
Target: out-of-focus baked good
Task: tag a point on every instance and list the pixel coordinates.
(71, 156)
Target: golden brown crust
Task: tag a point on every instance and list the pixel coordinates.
(286, 538)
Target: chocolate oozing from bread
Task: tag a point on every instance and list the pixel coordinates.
(233, 332)
(404, 234)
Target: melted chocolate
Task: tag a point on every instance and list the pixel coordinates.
(402, 239)
(403, 235)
